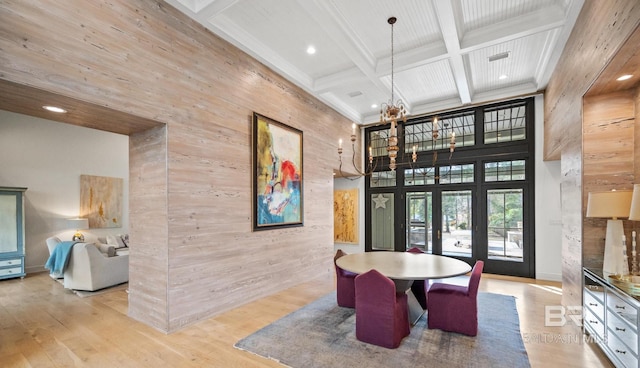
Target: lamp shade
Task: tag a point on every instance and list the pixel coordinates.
(634, 212)
(78, 223)
(610, 204)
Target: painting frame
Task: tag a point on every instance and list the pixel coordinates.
(345, 216)
(277, 174)
(101, 201)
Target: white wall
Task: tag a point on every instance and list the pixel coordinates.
(48, 158)
(548, 233)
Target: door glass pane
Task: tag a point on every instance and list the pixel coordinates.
(456, 174)
(456, 223)
(504, 220)
(419, 221)
(382, 221)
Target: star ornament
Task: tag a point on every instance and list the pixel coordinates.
(380, 201)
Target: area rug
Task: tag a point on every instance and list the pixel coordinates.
(322, 334)
(85, 294)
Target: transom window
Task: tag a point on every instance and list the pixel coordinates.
(505, 124)
(456, 174)
(504, 170)
(383, 179)
(420, 176)
(420, 133)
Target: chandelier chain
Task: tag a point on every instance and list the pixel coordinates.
(391, 21)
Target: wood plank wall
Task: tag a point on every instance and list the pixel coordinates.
(636, 137)
(601, 28)
(197, 255)
(148, 295)
(608, 161)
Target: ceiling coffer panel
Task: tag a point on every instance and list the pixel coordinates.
(441, 47)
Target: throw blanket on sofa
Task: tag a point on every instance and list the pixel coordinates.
(58, 260)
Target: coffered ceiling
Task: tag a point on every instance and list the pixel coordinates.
(447, 53)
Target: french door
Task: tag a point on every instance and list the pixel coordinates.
(470, 224)
(474, 202)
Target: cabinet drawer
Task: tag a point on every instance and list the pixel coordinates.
(593, 324)
(596, 305)
(10, 271)
(623, 331)
(621, 352)
(10, 262)
(619, 306)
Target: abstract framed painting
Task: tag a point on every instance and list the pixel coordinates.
(277, 174)
(101, 201)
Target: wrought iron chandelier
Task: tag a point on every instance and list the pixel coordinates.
(390, 112)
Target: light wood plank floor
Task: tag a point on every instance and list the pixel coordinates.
(43, 325)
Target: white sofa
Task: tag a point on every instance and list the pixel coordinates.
(89, 269)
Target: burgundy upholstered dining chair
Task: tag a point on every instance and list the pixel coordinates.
(453, 307)
(419, 287)
(381, 315)
(345, 288)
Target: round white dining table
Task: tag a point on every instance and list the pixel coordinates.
(404, 265)
(403, 268)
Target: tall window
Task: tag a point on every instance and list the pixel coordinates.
(476, 203)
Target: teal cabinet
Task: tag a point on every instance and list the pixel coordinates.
(11, 232)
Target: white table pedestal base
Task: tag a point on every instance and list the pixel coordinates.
(415, 309)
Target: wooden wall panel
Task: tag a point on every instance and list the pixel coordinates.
(148, 227)
(197, 255)
(600, 30)
(636, 135)
(608, 161)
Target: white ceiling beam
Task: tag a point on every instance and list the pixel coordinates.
(507, 92)
(447, 19)
(529, 24)
(337, 28)
(338, 80)
(413, 58)
(212, 8)
(229, 30)
(340, 31)
(543, 74)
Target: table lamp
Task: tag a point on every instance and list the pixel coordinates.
(78, 224)
(612, 205)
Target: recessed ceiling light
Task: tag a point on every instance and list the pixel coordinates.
(57, 109)
(311, 50)
(624, 77)
(374, 106)
(503, 76)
